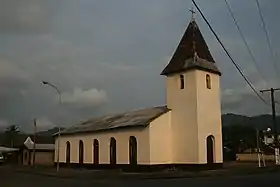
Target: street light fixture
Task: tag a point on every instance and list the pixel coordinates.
(59, 93)
(58, 139)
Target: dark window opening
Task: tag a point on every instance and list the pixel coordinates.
(182, 82)
(132, 150)
(95, 151)
(208, 81)
(68, 153)
(81, 152)
(113, 151)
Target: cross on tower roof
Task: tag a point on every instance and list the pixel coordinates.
(193, 13)
(193, 32)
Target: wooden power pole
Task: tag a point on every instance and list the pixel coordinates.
(276, 142)
(272, 91)
(34, 143)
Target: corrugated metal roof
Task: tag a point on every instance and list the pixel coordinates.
(29, 145)
(7, 149)
(40, 139)
(129, 119)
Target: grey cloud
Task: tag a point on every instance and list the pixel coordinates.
(230, 96)
(248, 104)
(85, 98)
(3, 124)
(119, 47)
(243, 100)
(27, 16)
(12, 78)
(44, 123)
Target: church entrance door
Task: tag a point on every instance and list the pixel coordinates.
(210, 149)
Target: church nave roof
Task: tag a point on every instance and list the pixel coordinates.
(138, 118)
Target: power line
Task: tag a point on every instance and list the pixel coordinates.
(236, 65)
(245, 42)
(267, 38)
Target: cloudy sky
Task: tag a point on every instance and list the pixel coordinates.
(106, 56)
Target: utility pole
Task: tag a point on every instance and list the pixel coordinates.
(276, 142)
(58, 138)
(34, 142)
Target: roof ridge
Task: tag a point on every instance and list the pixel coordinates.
(124, 112)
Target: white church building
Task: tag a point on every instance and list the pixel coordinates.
(185, 133)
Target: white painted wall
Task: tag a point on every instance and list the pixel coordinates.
(153, 143)
(269, 139)
(196, 114)
(183, 104)
(160, 140)
(209, 115)
(122, 139)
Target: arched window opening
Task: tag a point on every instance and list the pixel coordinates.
(132, 150)
(81, 152)
(208, 81)
(68, 153)
(182, 82)
(95, 151)
(113, 151)
(210, 141)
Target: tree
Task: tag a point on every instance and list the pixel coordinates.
(239, 137)
(11, 133)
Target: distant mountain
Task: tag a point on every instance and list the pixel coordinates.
(233, 119)
(260, 121)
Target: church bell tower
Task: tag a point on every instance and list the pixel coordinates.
(193, 95)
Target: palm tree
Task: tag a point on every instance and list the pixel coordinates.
(11, 133)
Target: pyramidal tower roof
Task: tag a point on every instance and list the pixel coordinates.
(192, 53)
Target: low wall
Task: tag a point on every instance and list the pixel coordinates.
(252, 157)
(44, 158)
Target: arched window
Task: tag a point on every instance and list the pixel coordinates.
(81, 152)
(208, 81)
(113, 151)
(95, 151)
(182, 82)
(132, 150)
(68, 153)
